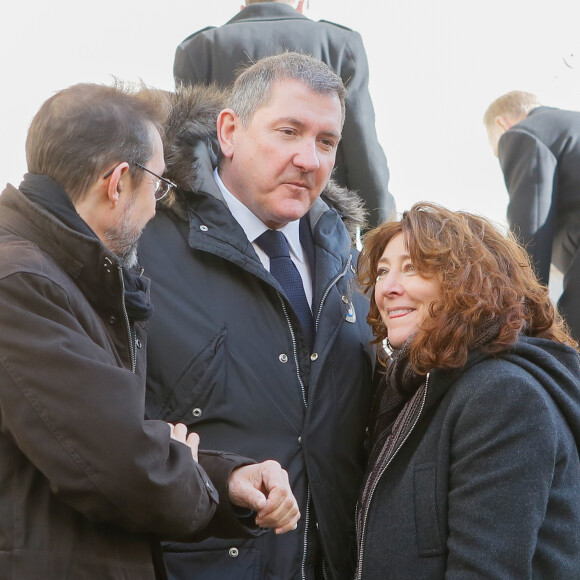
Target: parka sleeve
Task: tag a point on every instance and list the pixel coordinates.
(76, 415)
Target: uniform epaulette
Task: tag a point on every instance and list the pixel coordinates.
(335, 24)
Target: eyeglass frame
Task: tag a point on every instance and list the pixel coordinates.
(160, 180)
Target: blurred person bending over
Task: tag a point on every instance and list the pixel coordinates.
(217, 54)
(539, 153)
(263, 350)
(86, 484)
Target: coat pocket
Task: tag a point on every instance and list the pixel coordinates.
(429, 539)
(232, 562)
(203, 373)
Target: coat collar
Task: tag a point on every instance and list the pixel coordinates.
(94, 269)
(267, 10)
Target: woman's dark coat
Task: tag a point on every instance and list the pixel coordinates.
(487, 484)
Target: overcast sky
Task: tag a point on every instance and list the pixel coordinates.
(434, 67)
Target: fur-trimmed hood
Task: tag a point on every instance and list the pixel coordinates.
(190, 118)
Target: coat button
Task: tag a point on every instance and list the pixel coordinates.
(300, 440)
(203, 228)
(313, 356)
(283, 358)
(345, 299)
(112, 319)
(196, 412)
(138, 343)
(233, 552)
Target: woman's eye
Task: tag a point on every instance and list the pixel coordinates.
(382, 273)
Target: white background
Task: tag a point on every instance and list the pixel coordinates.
(435, 66)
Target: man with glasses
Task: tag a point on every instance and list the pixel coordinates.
(87, 485)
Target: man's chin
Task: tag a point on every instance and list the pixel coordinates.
(294, 209)
(129, 259)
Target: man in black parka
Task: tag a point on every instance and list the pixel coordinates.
(228, 354)
(539, 152)
(216, 54)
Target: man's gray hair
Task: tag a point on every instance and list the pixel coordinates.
(252, 88)
(515, 104)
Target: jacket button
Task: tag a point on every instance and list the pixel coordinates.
(313, 356)
(345, 299)
(300, 440)
(138, 343)
(196, 412)
(203, 228)
(283, 358)
(112, 319)
(233, 552)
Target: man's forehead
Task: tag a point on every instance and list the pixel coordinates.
(297, 99)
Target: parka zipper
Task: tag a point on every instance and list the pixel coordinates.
(297, 366)
(304, 400)
(294, 348)
(127, 323)
(366, 513)
(332, 283)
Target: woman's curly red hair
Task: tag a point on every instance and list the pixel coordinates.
(486, 276)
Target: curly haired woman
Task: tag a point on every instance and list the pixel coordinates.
(474, 468)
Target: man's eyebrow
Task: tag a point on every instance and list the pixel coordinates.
(297, 123)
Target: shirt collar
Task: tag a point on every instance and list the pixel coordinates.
(253, 226)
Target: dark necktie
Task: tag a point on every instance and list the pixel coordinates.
(282, 267)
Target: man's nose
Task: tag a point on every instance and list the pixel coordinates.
(306, 157)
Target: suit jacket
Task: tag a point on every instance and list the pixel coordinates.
(214, 55)
(540, 159)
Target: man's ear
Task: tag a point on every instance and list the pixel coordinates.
(505, 122)
(117, 183)
(227, 123)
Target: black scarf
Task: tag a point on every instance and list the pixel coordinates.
(401, 382)
(50, 196)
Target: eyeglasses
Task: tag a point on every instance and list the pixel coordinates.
(162, 186)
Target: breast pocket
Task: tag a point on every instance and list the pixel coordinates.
(202, 376)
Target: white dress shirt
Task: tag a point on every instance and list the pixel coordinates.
(254, 227)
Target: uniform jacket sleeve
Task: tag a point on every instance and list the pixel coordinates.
(192, 66)
(364, 162)
(77, 416)
(529, 169)
(501, 468)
